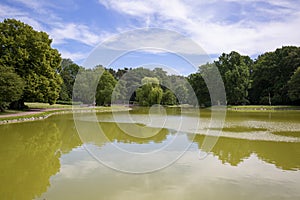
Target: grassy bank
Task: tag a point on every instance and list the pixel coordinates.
(46, 105)
(262, 108)
(41, 115)
(38, 111)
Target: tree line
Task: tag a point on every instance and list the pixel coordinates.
(271, 79)
(140, 86)
(31, 70)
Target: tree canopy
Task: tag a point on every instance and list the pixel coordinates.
(271, 73)
(68, 74)
(105, 89)
(199, 86)
(235, 71)
(11, 87)
(30, 54)
(150, 92)
(294, 86)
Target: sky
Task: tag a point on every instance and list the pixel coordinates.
(78, 27)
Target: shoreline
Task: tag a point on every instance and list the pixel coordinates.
(49, 112)
(262, 108)
(35, 114)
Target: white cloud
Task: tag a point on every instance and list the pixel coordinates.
(36, 5)
(11, 12)
(4, 10)
(58, 30)
(42, 18)
(79, 169)
(250, 27)
(77, 32)
(73, 55)
(173, 9)
(130, 7)
(152, 40)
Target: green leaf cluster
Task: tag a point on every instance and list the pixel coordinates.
(32, 58)
(272, 79)
(105, 89)
(271, 74)
(150, 92)
(11, 87)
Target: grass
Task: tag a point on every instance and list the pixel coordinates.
(10, 112)
(60, 109)
(262, 108)
(46, 105)
(36, 115)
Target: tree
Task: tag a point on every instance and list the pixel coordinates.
(207, 85)
(235, 71)
(63, 94)
(11, 87)
(142, 94)
(155, 95)
(133, 79)
(182, 93)
(150, 80)
(199, 87)
(120, 93)
(85, 85)
(121, 72)
(68, 74)
(181, 88)
(150, 92)
(271, 73)
(30, 53)
(294, 86)
(105, 89)
(168, 98)
(162, 76)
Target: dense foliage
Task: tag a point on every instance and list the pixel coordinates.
(235, 71)
(11, 87)
(271, 79)
(150, 92)
(270, 76)
(30, 55)
(105, 89)
(294, 86)
(68, 74)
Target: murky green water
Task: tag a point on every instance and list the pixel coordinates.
(256, 157)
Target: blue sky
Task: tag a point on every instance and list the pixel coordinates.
(77, 26)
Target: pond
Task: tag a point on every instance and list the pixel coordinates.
(256, 156)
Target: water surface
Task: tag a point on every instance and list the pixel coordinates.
(257, 156)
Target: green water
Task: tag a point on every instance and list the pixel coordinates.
(257, 156)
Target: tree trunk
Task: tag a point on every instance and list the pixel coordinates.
(2, 109)
(18, 105)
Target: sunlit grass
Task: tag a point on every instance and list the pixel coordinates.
(29, 116)
(46, 105)
(10, 112)
(55, 109)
